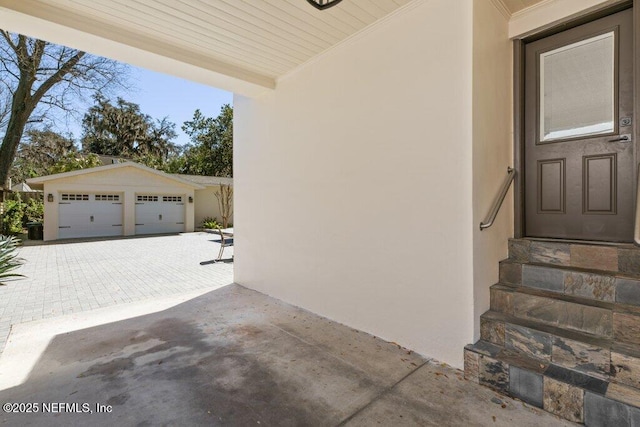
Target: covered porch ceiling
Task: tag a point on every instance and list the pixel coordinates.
(242, 46)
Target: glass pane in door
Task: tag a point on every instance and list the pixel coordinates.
(577, 89)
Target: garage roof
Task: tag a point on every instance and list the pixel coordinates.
(205, 180)
(38, 182)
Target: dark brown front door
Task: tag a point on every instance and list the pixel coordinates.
(579, 157)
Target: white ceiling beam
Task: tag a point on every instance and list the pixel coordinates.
(44, 22)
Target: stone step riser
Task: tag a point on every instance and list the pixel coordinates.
(563, 333)
(599, 287)
(571, 354)
(625, 369)
(574, 397)
(607, 323)
(623, 259)
(599, 360)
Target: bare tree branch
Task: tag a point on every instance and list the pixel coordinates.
(38, 78)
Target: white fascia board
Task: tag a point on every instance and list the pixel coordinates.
(47, 23)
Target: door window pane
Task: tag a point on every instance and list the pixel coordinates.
(577, 89)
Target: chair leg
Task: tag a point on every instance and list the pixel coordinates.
(220, 253)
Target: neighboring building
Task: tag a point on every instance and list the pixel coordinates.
(22, 187)
(26, 192)
(111, 160)
(123, 199)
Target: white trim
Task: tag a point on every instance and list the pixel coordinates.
(549, 13)
(352, 38)
(504, 10)
(531, 9)
(48, 178)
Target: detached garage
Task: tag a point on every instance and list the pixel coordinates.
(116, 200)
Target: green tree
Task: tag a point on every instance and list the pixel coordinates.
(75, 161)
(211, 149)
(38, 78)
(38, 152)
(121, 129)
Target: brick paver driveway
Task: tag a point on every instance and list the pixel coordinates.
(72, 277)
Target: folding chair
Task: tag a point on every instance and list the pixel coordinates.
(225, 242)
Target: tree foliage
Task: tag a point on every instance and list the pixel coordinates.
(38, 152)
(74, 161)
(121, 129)
(211, 148)
(37, 77)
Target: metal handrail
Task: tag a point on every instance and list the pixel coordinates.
(497, 203)
(636, 227)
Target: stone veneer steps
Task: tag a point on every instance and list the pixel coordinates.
(563, 331)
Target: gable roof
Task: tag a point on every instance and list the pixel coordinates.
(43, 179)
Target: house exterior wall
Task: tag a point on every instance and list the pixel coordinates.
(126, 182)
(492, 146)
(206, 205)
(364, 157)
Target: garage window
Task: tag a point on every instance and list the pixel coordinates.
(107, 197)
(76, 197)
(171, 198)
(147, 198)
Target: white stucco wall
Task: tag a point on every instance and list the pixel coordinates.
(492, 146)
(353, 182)
(128, 182)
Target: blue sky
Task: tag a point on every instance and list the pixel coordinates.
(161, 95)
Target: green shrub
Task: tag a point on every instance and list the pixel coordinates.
(209, 222)
(33, 211)
(18, 213)
(9, 260)
(13, 216)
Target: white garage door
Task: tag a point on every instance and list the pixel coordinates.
(89, 215)
(159, 214)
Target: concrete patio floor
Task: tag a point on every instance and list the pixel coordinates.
(233, 356)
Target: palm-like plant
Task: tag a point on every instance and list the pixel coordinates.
(9, 260)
